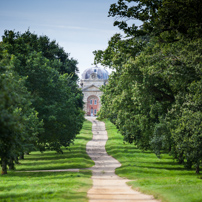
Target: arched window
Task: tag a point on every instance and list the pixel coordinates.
(95, 102)
(91, 102)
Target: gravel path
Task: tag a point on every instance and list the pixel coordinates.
(107, 186)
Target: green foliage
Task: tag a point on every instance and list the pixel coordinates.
(19, 124)
(166, 19)
(22, 45)
(49, 76)
(154, 95)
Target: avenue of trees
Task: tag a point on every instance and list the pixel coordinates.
(154, 96)
(41, 106)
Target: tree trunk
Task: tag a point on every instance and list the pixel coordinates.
(4, 166)
(197, 169)
(16, 160)
(181, 159)
(11, 164)
(189, 164)
(22, 156)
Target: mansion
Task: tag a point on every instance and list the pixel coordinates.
(92, 79)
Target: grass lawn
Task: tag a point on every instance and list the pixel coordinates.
(163, 178)
(51, 186)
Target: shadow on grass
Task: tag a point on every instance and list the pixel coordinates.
(129, 149)
(45, 158)
(150, 164)
(83, 138)
(48, 195)
(55, 167)
(56, 175)
(160, 168)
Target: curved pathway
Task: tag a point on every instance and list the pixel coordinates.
(107, 186)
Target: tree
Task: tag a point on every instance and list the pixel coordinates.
(19, 122)
(154, 94)
(166, 19)
(49, 80)
(23, 44)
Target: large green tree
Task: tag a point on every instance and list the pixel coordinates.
(51, 80)
(166, 19)
(49, 77)
(154, 94)
(19, 123)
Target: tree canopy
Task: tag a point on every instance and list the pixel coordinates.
(154, 94)
(41, 105)
(166, 19)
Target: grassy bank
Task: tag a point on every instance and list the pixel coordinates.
(51, 186)
(163, 178)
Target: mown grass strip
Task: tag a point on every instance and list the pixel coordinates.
(164, 178)
(51, 186)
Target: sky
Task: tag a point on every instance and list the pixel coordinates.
(79, 26)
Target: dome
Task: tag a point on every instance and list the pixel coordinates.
(101, 73)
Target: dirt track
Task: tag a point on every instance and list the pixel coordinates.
(107, 186)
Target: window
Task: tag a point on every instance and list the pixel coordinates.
(95, 111)
(91, 102)
(95, 102)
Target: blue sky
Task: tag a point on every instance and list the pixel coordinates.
(79, 26)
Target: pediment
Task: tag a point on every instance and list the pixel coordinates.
(91, 88)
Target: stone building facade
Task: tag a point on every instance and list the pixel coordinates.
(91, 81)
